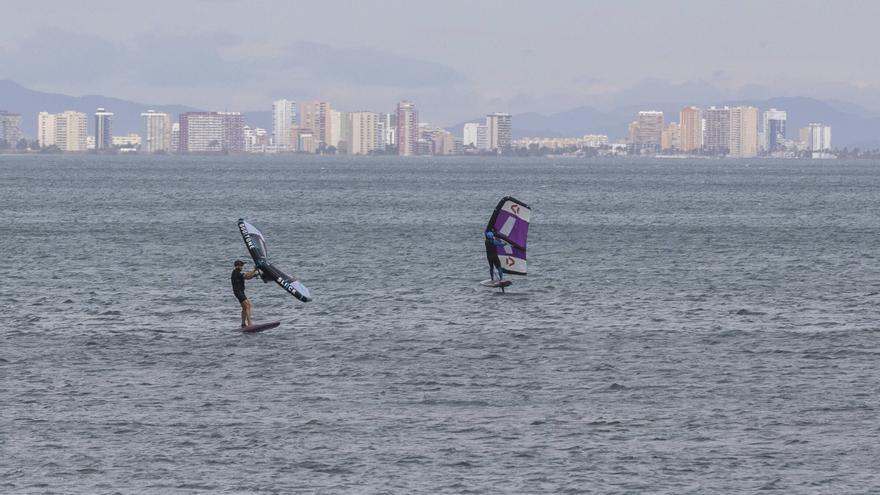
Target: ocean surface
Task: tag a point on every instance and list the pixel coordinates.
(687, 327)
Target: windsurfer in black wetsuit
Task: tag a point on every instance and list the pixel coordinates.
(238, 279)
(492, 255)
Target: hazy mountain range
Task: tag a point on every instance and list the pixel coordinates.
(851, 124)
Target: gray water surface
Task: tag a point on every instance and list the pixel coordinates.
(686, 327)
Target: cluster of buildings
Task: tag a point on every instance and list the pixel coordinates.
(309, 127)
(725, 131)
(315, 127)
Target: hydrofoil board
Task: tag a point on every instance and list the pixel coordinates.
(259, 327)
(496, 283)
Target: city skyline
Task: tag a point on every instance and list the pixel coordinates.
(733, 132)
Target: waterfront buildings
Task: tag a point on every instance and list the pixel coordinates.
(595, 140)
(444, 142)
(157, 132)
(691, 129)
(407, 129)
(283, 123)
(554, 144)
(46, 129)
(315, 115)
(211, 132)
(389, 125)
(645, 132)
(336, 130)
(129, 142)
(716, 134)
(499, 131)
(743, 130)
(817, 137)
(476, 135)
(10, 129)
(103, 129)
(773, 130)
(670, 137)
(305, 140)
(175, 137)
(67, 130)
(364, 133)
(256, 140)
(469, 134)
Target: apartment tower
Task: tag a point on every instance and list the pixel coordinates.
(283, 124)
(773, 130)
(103, 129)
(157, 132)
(716, 136)
(743, 132)
(407, 128)
(499, 130)
(691, 122)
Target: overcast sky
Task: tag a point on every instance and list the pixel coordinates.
(455, 59)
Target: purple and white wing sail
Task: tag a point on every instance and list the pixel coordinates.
(510, 221)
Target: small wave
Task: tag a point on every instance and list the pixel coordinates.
(747, 312)
(452, 402)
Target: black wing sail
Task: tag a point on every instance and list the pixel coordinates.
(258, 249)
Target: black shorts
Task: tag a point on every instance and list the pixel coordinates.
(240, 296)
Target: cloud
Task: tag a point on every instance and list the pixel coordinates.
(194, 59)
(212, 59)
(57, 56)
(367, 66)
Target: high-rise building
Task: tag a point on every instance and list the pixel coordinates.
(381, 122)
(71, 130)
(407, 129)
(67, 130)
(364, 127)
(283, 123)
(256, 140)
(335, 129)
(691, 122)
(103, 129)
(670, 138)
(499, 127)
(632, 130)
(306, 142)
(46, 129)
(743, 132)
(476, 135)
(344, 132)
(10, 129)
(469, 134)
(773, 130)
(648, 130)
(315, 115)
(389, 138)
(444, 142)
(203, 132)
(818, 137)
(175, 137)
(716, 134)
(157, 132)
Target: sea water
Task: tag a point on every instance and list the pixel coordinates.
(687, 326)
